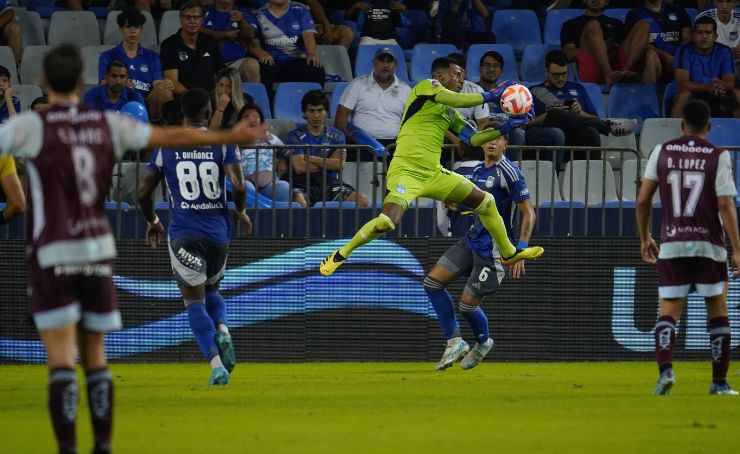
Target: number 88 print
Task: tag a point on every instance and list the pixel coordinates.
(193, 179)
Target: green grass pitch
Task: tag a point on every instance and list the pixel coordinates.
(389, 408)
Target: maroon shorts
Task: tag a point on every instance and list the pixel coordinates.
(66, 294)
(678, 277)
(588, 69)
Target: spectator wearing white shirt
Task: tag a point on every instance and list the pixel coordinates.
(372, 106)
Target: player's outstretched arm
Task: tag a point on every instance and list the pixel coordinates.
(728, 214)
(478, 138)
(242, 132)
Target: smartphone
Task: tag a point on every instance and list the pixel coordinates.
(568, 102)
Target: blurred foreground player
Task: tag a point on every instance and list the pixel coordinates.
(697, 192)
(199, 232)
(13, 189)
(71, 150)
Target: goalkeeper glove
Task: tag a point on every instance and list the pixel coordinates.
(515, 122)
(494, 95)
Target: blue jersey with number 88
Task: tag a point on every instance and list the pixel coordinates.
(195, 180)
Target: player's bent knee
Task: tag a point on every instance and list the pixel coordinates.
(433, 284)
(469, 306)
(486, 203)
(385, 223)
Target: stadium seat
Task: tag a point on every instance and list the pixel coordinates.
(541, 181)
(90, 58)
(281, 127)
(600, 180)
(364, 60)
(668, 95)
(419, 29)
(130, 174)
(658, 130)
(7, 59)
(32, 63)
(633, 101)
(26, 94)
(617, 158)
(258, 92)
(516, 27)
(533, 62)
(336, 61)
(476, 51)
(617, 13)
(629, 177)
(594, 94)
(422, 57)
(554, 22)
(288, 99)
(74, 27)
(725, 132)
(112, 35)
(336, 95)
(335, 204)
(32, 28)
(169, 25)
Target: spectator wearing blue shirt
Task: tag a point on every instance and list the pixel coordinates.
(114, 92)
(10, 31)
(310, 164)
(705, 69)
(464, 22)
(565, 105)
(9, 104)
(144, 67)
(286, 44)
(669, 25)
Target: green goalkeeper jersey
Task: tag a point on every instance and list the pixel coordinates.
(430, 111)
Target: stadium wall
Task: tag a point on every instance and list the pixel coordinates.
(586, 299)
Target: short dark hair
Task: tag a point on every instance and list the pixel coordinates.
(40, 100)
(196, 104)
(493, 54)
(4, 72)
(458, 58)
(251, 106)
(556, 57)
(706, 20)
(191, 4)
(115, 64)
(63, 68)
(442, 63)
(314, 98)
(696, 114)
(131, 17)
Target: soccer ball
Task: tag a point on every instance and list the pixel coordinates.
(516, 100)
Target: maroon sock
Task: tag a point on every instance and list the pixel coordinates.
(719, 341)
(100, 399)
(665, 338)
(63, 396)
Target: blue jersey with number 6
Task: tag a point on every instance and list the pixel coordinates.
(195, 179)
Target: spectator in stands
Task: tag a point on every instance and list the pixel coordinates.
(310, 164)
(728, 27)
(326, 32)
(565, 105)
(286, 47)
(191, 58)
(375, 102)
(144, 67)
(379, 20)
(9, 104)
(228, 26)
(114, 92)
(604, 52)
(464, 22)
(705, 69)
(669, 25)
(259, 166)
(10, 31)
(228, 99)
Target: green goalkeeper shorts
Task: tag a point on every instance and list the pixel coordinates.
(406, 182)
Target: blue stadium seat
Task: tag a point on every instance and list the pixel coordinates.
(594, 93)
(258, 92)
(422, 57)
(633, 101)
(692, 12)
(554, 22)
(364, 60)
(418, 31)
(336, 95)
(288, 99)
(476, 51)
(533, 62)
(670, 92)
(617, 13)
(725, 132)
(335, 204)
(516, 27)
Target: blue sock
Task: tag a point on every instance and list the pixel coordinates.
(216, 308)
(477, 320)
(202, 327)
(443, 306)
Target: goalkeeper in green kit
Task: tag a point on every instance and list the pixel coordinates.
(415, 170)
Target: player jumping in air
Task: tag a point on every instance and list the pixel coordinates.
(71, 150)
(698, 192)
(415, 170)
(199, 232)
(476, 257)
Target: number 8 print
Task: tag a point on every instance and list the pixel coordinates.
(190, 186)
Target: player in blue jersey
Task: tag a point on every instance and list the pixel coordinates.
(199, 230)
(477, 257)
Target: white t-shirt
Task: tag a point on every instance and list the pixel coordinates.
(473, 113)
(729, 33)
(375, 110)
